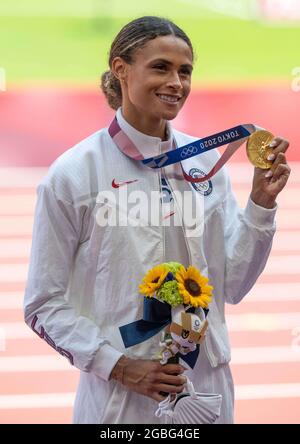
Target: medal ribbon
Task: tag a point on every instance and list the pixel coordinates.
(234, 137)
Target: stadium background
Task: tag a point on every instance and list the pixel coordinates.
(52, 54)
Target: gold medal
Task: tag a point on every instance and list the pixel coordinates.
(258, 149)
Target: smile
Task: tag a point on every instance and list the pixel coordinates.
(168, 99)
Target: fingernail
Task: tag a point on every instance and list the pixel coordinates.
(274, 143)
(269, 174)
(271, 157)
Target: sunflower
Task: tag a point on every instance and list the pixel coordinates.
(153, 280)
(193, 287)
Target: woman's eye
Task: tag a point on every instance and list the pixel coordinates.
(186, 72)
(161, 67)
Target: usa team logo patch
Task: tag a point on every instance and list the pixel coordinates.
(204, 188)
(166, 192)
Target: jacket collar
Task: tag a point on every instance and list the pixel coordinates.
(149, 146)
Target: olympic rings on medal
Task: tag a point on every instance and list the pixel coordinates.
(188, 151)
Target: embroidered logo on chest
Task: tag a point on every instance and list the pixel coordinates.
(204, 188)
(166, 192)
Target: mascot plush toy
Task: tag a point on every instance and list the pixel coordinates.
(185, 331)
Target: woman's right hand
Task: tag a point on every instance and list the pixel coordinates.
(149, 378)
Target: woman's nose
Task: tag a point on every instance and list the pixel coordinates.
(174, 80)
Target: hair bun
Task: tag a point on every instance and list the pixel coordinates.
(111, 88)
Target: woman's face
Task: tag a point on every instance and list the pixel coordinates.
(158, 81)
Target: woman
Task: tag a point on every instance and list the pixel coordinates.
(84, 274)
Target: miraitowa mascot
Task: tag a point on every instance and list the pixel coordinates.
(189, 407)
(184, 333)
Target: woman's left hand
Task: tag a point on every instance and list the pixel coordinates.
(267, 184)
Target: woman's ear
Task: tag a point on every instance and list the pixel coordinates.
(119, 69)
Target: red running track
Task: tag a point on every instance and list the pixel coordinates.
(36, 384)
(38, 125)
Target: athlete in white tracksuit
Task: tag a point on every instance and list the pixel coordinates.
(83, 278)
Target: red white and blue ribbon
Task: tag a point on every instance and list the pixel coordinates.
(234, 137)
(156, 316)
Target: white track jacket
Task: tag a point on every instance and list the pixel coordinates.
(83, 278)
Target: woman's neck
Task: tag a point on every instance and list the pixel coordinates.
(154, 128)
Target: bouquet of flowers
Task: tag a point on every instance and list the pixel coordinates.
(176, 300)
(175, 285)
(181, 288)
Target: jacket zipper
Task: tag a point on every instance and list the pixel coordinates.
(160, 209)
(208, 353)
(177, 206)
(161, 219)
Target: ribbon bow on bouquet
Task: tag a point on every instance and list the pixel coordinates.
(176, 299)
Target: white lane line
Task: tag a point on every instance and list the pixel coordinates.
(17, 330)
(267, 292)
(22, 225)
(272, 322)
(21, 177)
(278, 292)
(283, 265)
(37, 400)
(264, 355)
(57, 363)
(286, 241)
(2, 340)
(18, 248)
(263, 321)
(273, 292)
(289, 199)
(15, 177)
(35, 363)
(13, 273)
(56, 400)
(242, 172)
(30, 177)
(266, 391)
(17, 204)
(288, 218)
(11, 301)
(16, 225)
(288, 265)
